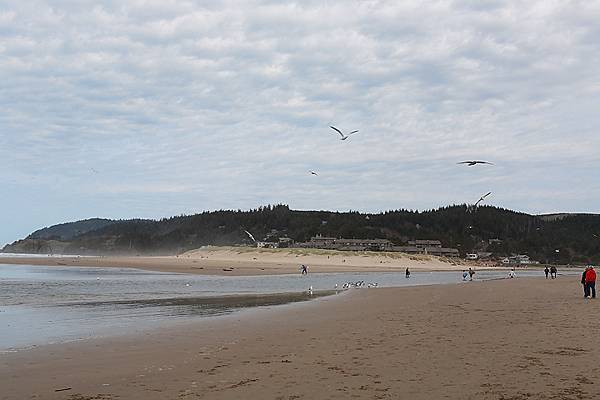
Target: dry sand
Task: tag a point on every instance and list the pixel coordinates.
(509, 339)
(252, 261)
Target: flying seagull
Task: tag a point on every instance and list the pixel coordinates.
(474, 162)
(482, 198)
(343, 137)
(313, 172)
(251, 237)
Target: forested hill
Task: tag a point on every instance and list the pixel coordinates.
(575, 236)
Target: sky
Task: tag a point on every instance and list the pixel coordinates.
(155, 108)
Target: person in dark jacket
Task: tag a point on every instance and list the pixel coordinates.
(546, 271)
(585, 292)
(553, 272)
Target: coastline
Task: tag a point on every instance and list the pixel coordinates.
(240, 261)
(505, 339)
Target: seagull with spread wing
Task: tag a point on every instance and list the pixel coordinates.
(343, 137)
(250, 235)
(471, 208)
(313, 172)
(470, 163)
(482, 198)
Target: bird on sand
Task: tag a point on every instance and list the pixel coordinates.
(470, 163)
(343, 137)
(313, 172)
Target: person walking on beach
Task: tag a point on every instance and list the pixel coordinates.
(304, 269)
(407, 273)
(583, 281)
(546, 271)
(465, 274)
(471, 273)
(590, 283)
(512, 274)
(553, 272)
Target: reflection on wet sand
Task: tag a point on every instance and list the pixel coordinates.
(210, 305)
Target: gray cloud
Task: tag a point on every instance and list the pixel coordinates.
(182, 106)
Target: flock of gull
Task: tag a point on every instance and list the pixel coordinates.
(469, 163)
(469, 208)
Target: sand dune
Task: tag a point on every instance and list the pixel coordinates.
(253, 261)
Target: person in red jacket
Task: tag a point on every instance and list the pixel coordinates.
(590, 283)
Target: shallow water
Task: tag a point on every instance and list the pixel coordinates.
(41, 305)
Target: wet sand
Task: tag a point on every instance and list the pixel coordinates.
(507, 339)
(252, 261)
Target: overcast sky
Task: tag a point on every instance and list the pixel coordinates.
(155, 108)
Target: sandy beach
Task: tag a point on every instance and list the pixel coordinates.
(507, 339)
(237, 261)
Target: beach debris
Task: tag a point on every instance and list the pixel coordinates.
(227, 269)
(63, 389)
(471, 163)
(310, 290)
(343, 137)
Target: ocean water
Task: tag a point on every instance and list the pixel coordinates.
(40, 305)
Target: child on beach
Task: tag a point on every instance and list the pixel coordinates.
(407, 273)
(465, 274)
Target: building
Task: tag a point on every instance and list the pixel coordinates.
(425, 243)
(434, 251)
(521, 259)
(267, 245)
(432, 247)
(285, 242)
(324, 242)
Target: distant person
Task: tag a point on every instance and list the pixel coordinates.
(471, 273)
(465, 274)
(590, 283)
(546, 271)
(583, 281)
(407, 273)
(553, 272)
(512, 274)
(303, 269)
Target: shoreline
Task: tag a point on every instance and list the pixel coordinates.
(482, 340)
(229, 261)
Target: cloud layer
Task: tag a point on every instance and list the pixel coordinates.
(153, 108)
